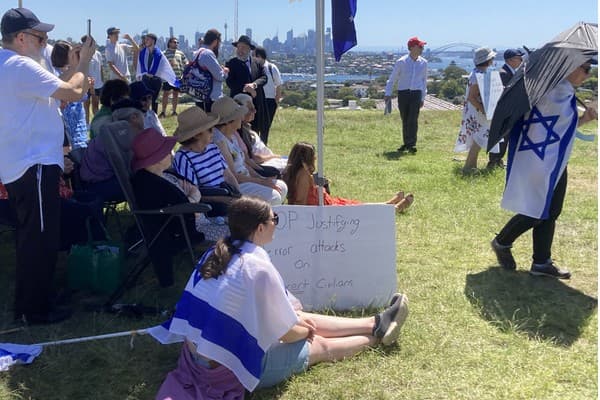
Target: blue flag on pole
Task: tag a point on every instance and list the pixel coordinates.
(342, 22)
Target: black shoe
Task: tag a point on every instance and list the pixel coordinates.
(174, 114)
(161, 115)
(504, 255)
(51, 317)
(412, 150)
(402, 149)
(549, 269)
(495, 164)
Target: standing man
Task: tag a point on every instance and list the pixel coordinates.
(116, 54)
(513, 58)
(31, 154)
(178, 60)
(272, 88)
(96, 72)
(247, 75)
(207, 58)
(152, 67)
(410, 71)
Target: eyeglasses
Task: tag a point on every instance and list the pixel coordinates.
(41, 39)
(586, 69)
(275, 219)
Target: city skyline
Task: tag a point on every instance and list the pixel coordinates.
(507, 24)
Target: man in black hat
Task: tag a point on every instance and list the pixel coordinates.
(513, 58)
(247, 75)
(31, 155)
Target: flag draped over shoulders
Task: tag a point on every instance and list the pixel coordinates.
(539, 149)
(159, 66)
(235, 318)
(342, 23)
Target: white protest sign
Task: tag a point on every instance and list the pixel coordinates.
(338, 257)
(490, 89)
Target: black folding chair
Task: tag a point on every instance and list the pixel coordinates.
(116, 137)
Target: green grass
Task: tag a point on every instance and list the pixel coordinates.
(474, 332)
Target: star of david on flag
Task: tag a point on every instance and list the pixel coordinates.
(548, 123)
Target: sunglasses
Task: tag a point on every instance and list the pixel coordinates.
(275, 219)
(41, 39)
(586, 69)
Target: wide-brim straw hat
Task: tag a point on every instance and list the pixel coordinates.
(193, 121)
(149, 147)
(228, 109)
(482, 55)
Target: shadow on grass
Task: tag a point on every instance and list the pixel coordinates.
(457, 170)
(396, 155)
(542, 308)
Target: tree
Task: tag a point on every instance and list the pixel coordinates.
(451, 88)
(453, 71)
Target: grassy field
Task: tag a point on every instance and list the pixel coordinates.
(475, 331)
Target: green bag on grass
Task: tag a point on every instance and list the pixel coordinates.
(96, 265)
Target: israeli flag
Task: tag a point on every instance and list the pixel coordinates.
(160, 67)
(539, 149)
(11, 354)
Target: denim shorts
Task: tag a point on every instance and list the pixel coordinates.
(281, 361)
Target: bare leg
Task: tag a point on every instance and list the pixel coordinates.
(175, 100)
(334, 327)
(471, 161)
(165, 100)
(332, 349)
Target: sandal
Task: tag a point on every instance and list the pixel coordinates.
(398, 197)
(405, 203)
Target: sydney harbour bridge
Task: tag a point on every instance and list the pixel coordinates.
(452, 50)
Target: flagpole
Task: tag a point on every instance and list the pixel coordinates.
(98, 337)
(20, 3)
(320, 47)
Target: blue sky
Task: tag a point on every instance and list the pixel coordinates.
(379, 23)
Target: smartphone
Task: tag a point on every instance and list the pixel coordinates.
(89, 28)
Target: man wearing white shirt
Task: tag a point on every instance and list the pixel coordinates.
(116, 54)
(272, 88)
(410, 71)
(94, 92)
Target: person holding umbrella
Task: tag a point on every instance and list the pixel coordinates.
(540, 142)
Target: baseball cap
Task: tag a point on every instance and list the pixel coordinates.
(415, 41)
(510, 53)
(112, 29)
(19, 19)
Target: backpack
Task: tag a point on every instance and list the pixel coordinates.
(196, 80)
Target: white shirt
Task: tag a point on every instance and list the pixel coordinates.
(410, 74)
(31, 127)
(95, 71)
(117, 54)
(273, 80)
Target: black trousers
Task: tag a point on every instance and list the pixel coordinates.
(409, 105)
(496, 157)
(153, 83)
(543, 229)
(35, 200)
(205, 105)
(271, 110)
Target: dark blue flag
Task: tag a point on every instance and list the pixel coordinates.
(342, 22)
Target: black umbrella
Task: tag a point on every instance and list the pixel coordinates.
(544, 69)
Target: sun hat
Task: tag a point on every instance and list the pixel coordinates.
(150, 147)
(244, 39)
(112, 29)
(415, 41)
(482, 55)
(19, 19)
(228, 109)
(242, 98)
(192, 121)
(510, 53)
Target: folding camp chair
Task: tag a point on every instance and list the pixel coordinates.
(116, 137)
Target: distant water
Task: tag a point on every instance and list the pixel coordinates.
(464, 63)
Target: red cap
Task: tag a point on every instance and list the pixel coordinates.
(415, 41)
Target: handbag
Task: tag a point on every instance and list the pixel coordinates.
(196, 80)
(96, 265)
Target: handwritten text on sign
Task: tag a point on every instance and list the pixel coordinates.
(336, 257)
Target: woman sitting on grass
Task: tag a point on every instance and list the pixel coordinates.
(302, 189)
(239, 323)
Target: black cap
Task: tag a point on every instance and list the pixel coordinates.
(19, 19)
(510, 53)
(127, 103)
(244, 39)
(112, 29)
(138, 90)
(152, 36)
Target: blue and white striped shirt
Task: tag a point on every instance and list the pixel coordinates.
(202, 169)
